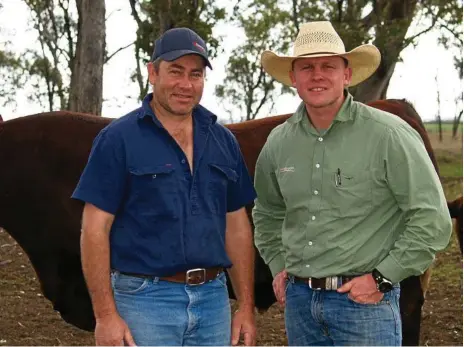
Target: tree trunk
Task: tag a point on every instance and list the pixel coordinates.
(456, 123)
(375, 87)
(86, 92)
(391, 27)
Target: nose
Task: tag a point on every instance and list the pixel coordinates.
(317, 74)
(185, 82)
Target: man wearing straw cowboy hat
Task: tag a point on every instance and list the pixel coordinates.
(349, 203)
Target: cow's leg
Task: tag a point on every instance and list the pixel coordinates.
(411, 301)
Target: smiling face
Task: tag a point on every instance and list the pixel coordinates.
(320, 81)
(177, 85)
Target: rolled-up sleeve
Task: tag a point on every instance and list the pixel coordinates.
(102, 182)
(268, 214)
(417, 189)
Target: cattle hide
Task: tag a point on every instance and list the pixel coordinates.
(41, 159)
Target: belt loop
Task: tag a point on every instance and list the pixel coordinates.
(291, 279)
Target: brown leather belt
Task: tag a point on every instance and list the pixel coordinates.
(325, 283)
(192, 277)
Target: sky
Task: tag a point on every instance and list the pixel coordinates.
(413, 79)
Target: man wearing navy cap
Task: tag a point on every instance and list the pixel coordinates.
(165, 189)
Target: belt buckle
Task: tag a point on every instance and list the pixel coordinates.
(331, 283)
(195, 277)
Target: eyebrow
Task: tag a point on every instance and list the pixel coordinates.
(180, 67)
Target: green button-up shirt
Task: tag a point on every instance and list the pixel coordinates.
(364, 195)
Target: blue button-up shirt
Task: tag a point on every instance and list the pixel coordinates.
(167, 219)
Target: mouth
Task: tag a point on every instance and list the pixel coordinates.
(183, 97)
(317, 89)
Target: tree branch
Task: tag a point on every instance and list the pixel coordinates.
(134, 13)
(295, 15)
(117, 51)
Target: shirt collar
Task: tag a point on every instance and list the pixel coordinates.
(344, 113)
(200, 113)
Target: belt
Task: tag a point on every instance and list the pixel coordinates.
(325, 283)
(192, 277)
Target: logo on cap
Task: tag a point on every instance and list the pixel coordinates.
(198, 46)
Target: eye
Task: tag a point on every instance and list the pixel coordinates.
(197, 75)
(175, 72)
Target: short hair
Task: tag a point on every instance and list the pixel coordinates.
(156, 64)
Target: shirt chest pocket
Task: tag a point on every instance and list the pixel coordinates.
(154, 190)
(350, 193)
(220, 176)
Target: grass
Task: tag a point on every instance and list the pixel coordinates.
(446, 127)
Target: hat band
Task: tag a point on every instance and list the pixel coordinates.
(309, 54)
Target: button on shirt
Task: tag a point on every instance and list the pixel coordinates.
(167, 219)
(362, 195)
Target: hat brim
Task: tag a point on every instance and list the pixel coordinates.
(363, 61)
(173, 55)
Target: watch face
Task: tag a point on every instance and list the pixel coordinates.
(385, 286)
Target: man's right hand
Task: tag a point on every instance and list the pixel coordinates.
(111, 330)
(279, 287)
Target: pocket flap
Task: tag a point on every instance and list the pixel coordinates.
(152, 170)
(229, 172)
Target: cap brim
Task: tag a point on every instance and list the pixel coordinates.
(173, 55)
(363, 60)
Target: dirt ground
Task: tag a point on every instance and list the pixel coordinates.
(27, 318)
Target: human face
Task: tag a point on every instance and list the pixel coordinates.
(178, 85)
(320, 81)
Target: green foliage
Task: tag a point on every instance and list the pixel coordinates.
(47, 68)
(11, 76)
(273, 24)
(246, 85)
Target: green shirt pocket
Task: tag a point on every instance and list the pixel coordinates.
(350, 193)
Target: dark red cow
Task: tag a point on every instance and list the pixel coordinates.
(455, 209)
(42, 156)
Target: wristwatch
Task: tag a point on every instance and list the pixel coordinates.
(384, 285)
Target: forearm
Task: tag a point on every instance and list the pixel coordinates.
(95, 255)
(239, 248)
(95, 263)
(427, 231)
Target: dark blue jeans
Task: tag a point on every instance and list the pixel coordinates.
(328, 318)
(161, 313)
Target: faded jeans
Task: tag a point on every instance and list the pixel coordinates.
(173, 314)
(329, 318)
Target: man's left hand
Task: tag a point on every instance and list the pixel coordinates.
(243, 323)
(362, 289)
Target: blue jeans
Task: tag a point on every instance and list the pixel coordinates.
(166, 313)
(328, 318)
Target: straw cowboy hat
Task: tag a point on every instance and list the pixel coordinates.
(319, 39)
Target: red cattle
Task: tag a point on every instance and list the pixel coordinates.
(455, 209)
(42, 157)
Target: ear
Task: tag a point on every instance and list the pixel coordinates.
(347, 76)
(292, 78)
(152, 75)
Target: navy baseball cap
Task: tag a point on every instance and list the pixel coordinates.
(177, 42)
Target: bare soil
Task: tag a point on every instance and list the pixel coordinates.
(27, 318)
